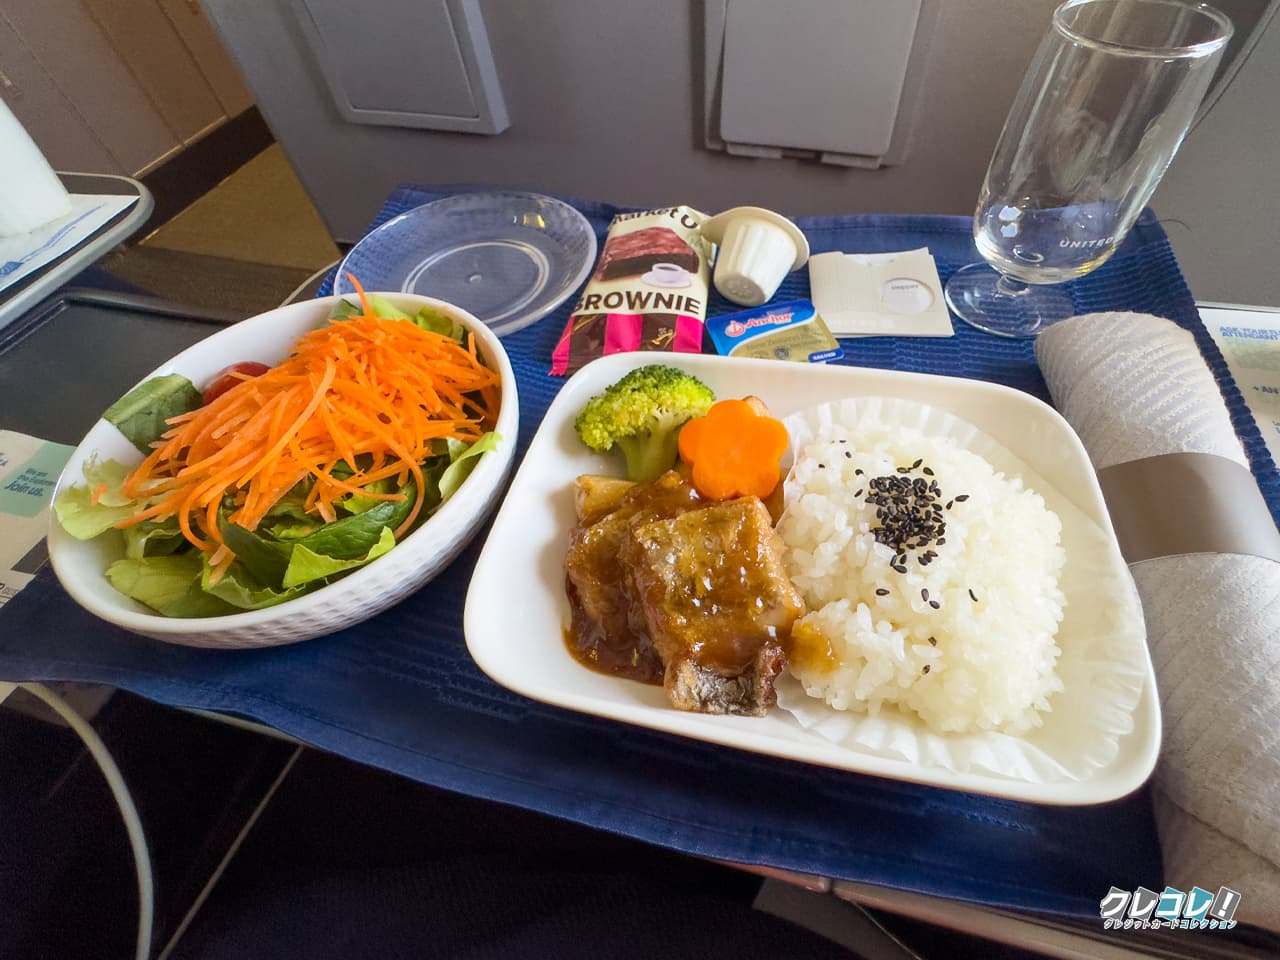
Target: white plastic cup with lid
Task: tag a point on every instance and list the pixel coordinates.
(758, 248)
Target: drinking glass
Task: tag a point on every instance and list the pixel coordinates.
(1102, 109)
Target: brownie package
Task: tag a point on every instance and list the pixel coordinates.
(648, 291)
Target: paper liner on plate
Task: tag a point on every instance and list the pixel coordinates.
(1102, 635)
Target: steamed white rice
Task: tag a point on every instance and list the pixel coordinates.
(866, 641)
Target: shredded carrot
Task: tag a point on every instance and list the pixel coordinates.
(734, 450)
(369, 394)
(364, 299)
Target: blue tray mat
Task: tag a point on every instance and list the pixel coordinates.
(400, 691)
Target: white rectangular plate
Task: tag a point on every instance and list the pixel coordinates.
(516, 610)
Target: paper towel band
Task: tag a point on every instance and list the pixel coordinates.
(1179, 503)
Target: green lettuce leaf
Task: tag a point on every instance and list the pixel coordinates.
(285, 530)
(307, 566)
(354, 536)
(437, 321)
(75, 507)
(141, 413)
(428, 318)
(386, 310)
(345, 310)
(152, 538)
(168, 585)
(355, 503)
(344, 544)
(463, 461)
(265, 560)
(289, 524)
(239, 588)
(288, 519)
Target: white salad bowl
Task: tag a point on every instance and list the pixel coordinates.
(268, 338)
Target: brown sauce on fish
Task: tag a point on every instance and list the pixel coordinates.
(810, 651)
(667, 587)
(607, 633)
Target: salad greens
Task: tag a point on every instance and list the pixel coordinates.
(141, 413)
(293, 550)
(428, 318)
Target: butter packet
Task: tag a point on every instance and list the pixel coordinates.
(780, 331)
(648, 291)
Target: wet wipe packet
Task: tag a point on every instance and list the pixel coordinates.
(648, 291)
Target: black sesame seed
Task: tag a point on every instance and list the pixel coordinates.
(924, 593)
(972, 595)
(926, 669)
(848, 455)
(935, 604)
(933, 641)
(822, 466)
(916, 465)
(908, 512)
(844, 441)
(928, 471)
(950, 504)
(899, 568)
(882, 592)
(940, 541)
(962, 498)
(858, 493)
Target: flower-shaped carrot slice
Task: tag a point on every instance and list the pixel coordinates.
(734, 451)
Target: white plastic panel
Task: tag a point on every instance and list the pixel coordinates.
(825, 78)
(409, 63)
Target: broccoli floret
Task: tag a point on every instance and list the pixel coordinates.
(642, 414)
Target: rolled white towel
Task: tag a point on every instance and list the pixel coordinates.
(1136, 386)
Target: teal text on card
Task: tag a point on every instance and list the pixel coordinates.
(27, 490)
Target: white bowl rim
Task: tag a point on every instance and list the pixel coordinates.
(488, 471)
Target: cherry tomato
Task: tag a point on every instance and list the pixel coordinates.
(228, 377)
